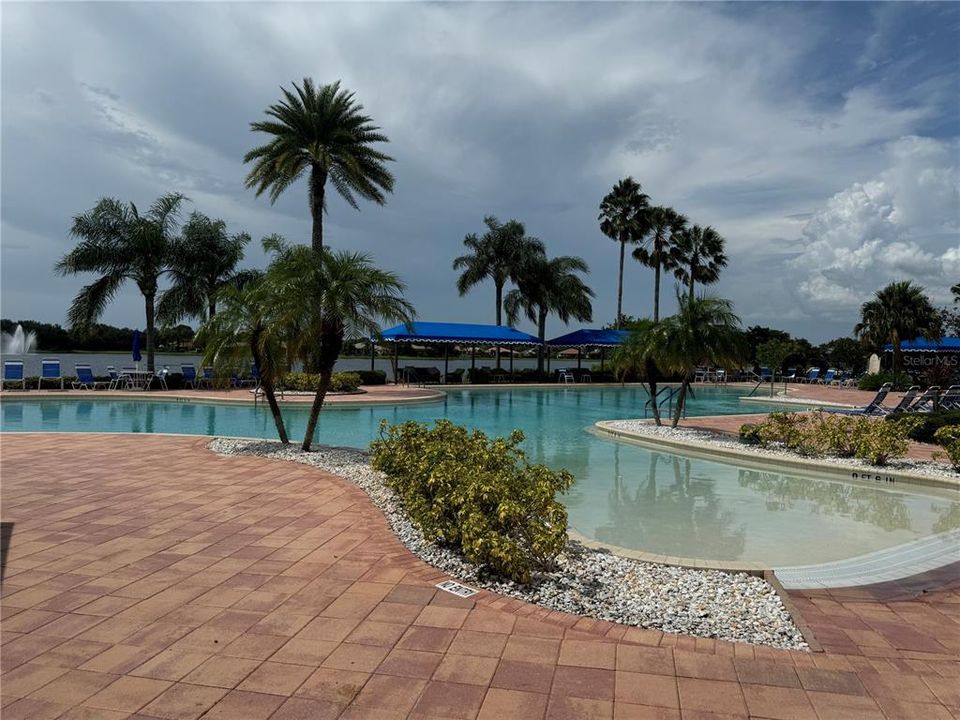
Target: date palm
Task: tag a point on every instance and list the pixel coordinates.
(120, 244)
(550, 286)
(245, 327)
(704, 331)
(322, 132)
(623, 218)
(698, 256)
(204, 259)
(328, 297)
(900, 311)
(665, 224)
(497, 255)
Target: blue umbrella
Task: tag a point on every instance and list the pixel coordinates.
(136, 346)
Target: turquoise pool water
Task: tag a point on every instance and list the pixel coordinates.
(625, 494)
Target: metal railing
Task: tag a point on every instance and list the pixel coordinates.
(671, 393)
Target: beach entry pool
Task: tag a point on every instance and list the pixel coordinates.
(625, 494)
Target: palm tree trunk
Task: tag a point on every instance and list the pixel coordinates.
(325, 375)
(318, 181)
(267, 384)
(692, 270)
(623, 247)
(148, 335)
(895, 342)
(656, 291)
(211, 308)
(681, 400)
(652, 377)
(542, 335)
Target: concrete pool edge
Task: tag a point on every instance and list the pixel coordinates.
(840, 471)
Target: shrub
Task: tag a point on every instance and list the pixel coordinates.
(479, 495)
(792, 430)
(750, 434)
(371, 377)
(928, 423)
(841, 434)
(308, 382)
(949, 437)
(873, 381)
(884, 441)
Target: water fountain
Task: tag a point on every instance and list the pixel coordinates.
(19, 342)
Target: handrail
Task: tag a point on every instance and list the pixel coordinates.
(671, 393)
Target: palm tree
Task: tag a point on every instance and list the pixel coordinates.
(705, 331)
(120, 244)
(623, 218)
(547, 286)
(329, 297)
(204, 259)
(665, 225)
(698, 256)
(900, 311)
(634, 357)
(498, 254)
(956, 292)
(321, 131)
(247, 327)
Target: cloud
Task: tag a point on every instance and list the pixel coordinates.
(903, 224)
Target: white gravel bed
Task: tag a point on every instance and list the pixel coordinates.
(593, 583)
(643, 427)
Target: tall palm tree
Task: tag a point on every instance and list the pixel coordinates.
(247, 326)
(900, 311)
(956, 292)
(546, 286)
(330, 296)
(665, 225)
(623, 218)
(120, 244)
(320, 131)
(705, 331)
(698, 256)
(498, 254)
(204, 258)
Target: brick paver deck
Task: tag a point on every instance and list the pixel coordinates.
(149, 578)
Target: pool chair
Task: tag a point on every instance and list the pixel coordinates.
(13, 373)
(927, 401)
(117, 379)
(50, 370)
(207, 378)
(700, 375)
(85, 379)
(811, 376)
(827, 378)
(765, 375)
(190, 378)
(950, 400)
(791, 375)
(565, 376)
(874, 407)
(162, 377)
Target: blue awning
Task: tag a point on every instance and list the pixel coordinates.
(590, 338)
(947, 344)
(434, 332)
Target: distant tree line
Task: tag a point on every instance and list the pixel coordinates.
(99, 337)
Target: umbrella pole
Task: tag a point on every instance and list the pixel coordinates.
(602, 353)
(473, 358)
(446, 361)
(579, 356)
(396, 363)
(511, 364)
(373, 354)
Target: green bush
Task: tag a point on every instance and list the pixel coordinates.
(794, 431)
(884, 441)
(928, 423)
(479, 495)
(308, 382)
(371, 377)
(873, 381)
(949, 437)
(750, 434)
(841, 435)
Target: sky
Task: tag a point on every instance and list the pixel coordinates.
(821, 140)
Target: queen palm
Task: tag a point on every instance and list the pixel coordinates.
(664, 224)
(497, 255)
(623, 218)
(119, 243)
(204, 258)
(550, 286)
(900, 311)
(247, 326)
(322, 132)
(704, 331)
(698, 256)
(331, 296)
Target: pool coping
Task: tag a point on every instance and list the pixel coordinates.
(837, 470)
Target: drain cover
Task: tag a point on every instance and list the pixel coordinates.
(455, 588)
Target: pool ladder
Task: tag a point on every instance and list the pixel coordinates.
(671, 392)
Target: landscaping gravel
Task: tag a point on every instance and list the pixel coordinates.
(589, 582)
(645, 427)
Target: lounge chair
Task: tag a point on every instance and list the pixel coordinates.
(700, 375)
(207, 379)
(874, 407)
(812, 375)
(827, 379)
(791, 375)
(50, 370)
(13, 372)
(905, 402)
(928, 401)
(950, 400)
(190, 376)
(565, 376)
(118, 378)
(85, 379)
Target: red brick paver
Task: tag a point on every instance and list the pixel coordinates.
(149, 578)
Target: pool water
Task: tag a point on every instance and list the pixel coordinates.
(625, 494)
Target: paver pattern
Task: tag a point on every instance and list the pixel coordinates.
(150, 578)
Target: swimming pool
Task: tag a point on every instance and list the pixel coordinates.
(625, 494)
